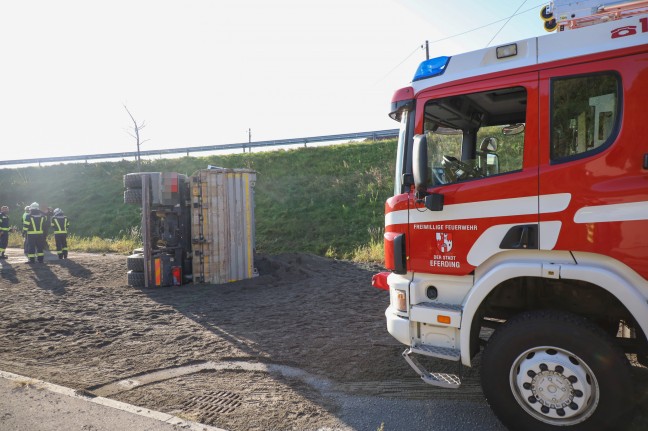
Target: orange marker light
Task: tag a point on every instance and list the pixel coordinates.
(443, 319)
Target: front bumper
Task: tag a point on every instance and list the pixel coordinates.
(398, 326)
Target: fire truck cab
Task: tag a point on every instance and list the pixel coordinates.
(519, 222)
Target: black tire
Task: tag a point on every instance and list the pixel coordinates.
(135, 262)
(134, 180)
(642, 358)
(133, 196)
(548, 352)
(135, 279)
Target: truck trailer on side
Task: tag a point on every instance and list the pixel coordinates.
(197, 228)
(519, 221)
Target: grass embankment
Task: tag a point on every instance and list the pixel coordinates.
(326, 200)
(123, 245)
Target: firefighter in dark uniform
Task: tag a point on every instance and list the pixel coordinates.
(4, 230)
(49, 213)
(33, 227)
(60, 224)
(24, 231)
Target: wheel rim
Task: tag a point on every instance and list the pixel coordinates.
(554, 386)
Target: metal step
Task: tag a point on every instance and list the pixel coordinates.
(437, 352)
(443, 380)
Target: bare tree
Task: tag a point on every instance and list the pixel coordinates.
(135, 133)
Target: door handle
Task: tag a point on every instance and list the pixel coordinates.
(521, 237)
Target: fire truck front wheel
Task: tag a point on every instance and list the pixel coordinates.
(549, 370)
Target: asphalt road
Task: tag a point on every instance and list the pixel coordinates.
(27, 404)
(33, 405)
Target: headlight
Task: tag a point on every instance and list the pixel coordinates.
(399, 300)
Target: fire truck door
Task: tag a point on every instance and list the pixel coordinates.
(483, 158)
(593, 152)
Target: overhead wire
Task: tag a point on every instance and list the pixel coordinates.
(398, 65)
(489, 24)
(507, 21)
(516, 13)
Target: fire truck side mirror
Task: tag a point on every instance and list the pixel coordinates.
(434, 202)
(420, 165)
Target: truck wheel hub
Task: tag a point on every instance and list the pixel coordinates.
(554, 385)
(552, 389)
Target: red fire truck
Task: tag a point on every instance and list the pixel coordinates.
(519, 221)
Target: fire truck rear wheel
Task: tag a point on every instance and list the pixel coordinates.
(549, 370)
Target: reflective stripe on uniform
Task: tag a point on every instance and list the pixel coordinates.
(60, 229)
(4, 220)
(30, 222)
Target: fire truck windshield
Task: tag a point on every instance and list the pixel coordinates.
(475, 135)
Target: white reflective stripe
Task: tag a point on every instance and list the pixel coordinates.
(484, 209)
(549, 232)
(488, 242)
(610, 213)
(554, 203)
(395, 217)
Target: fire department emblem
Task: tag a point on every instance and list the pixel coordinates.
(444, 241)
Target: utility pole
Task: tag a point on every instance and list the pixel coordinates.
(427, 50)
(249, 140)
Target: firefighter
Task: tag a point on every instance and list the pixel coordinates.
(49, 213)
(33, 227)
(24, 231)
(60, 224)
(4, 230)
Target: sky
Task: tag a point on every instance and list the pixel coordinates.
(206, 72)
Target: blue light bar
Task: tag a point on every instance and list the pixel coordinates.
(432, 67)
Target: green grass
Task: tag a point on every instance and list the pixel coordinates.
(124, 245)
(324, 200)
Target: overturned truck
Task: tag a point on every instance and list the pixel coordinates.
(197, 228)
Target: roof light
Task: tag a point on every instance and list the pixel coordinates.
(507, 51)
(432, 67)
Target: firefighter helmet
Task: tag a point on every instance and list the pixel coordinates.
(34, 206)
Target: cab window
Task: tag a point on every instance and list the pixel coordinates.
(584, 114)
(475, 135)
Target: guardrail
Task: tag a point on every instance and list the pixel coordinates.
(378, 134)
